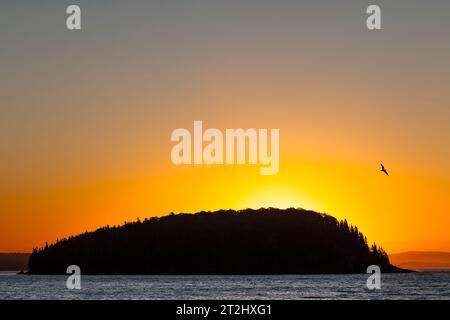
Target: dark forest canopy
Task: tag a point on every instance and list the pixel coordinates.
(263, 241)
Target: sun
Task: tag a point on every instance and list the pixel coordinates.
(281, 197)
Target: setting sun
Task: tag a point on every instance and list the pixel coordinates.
(278, 196)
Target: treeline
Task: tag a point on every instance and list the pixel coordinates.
(263, 241)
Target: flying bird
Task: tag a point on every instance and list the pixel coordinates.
(383, 169)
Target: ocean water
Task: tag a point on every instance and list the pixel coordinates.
(419, 285)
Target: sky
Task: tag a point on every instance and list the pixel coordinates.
(86, 116)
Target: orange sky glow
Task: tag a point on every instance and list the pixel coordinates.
(85, 119)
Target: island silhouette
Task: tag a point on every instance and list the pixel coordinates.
(262, 241)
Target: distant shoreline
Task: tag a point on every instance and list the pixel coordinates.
(14, 261)
(422, 260)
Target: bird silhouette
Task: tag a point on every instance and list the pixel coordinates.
(383, 169)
